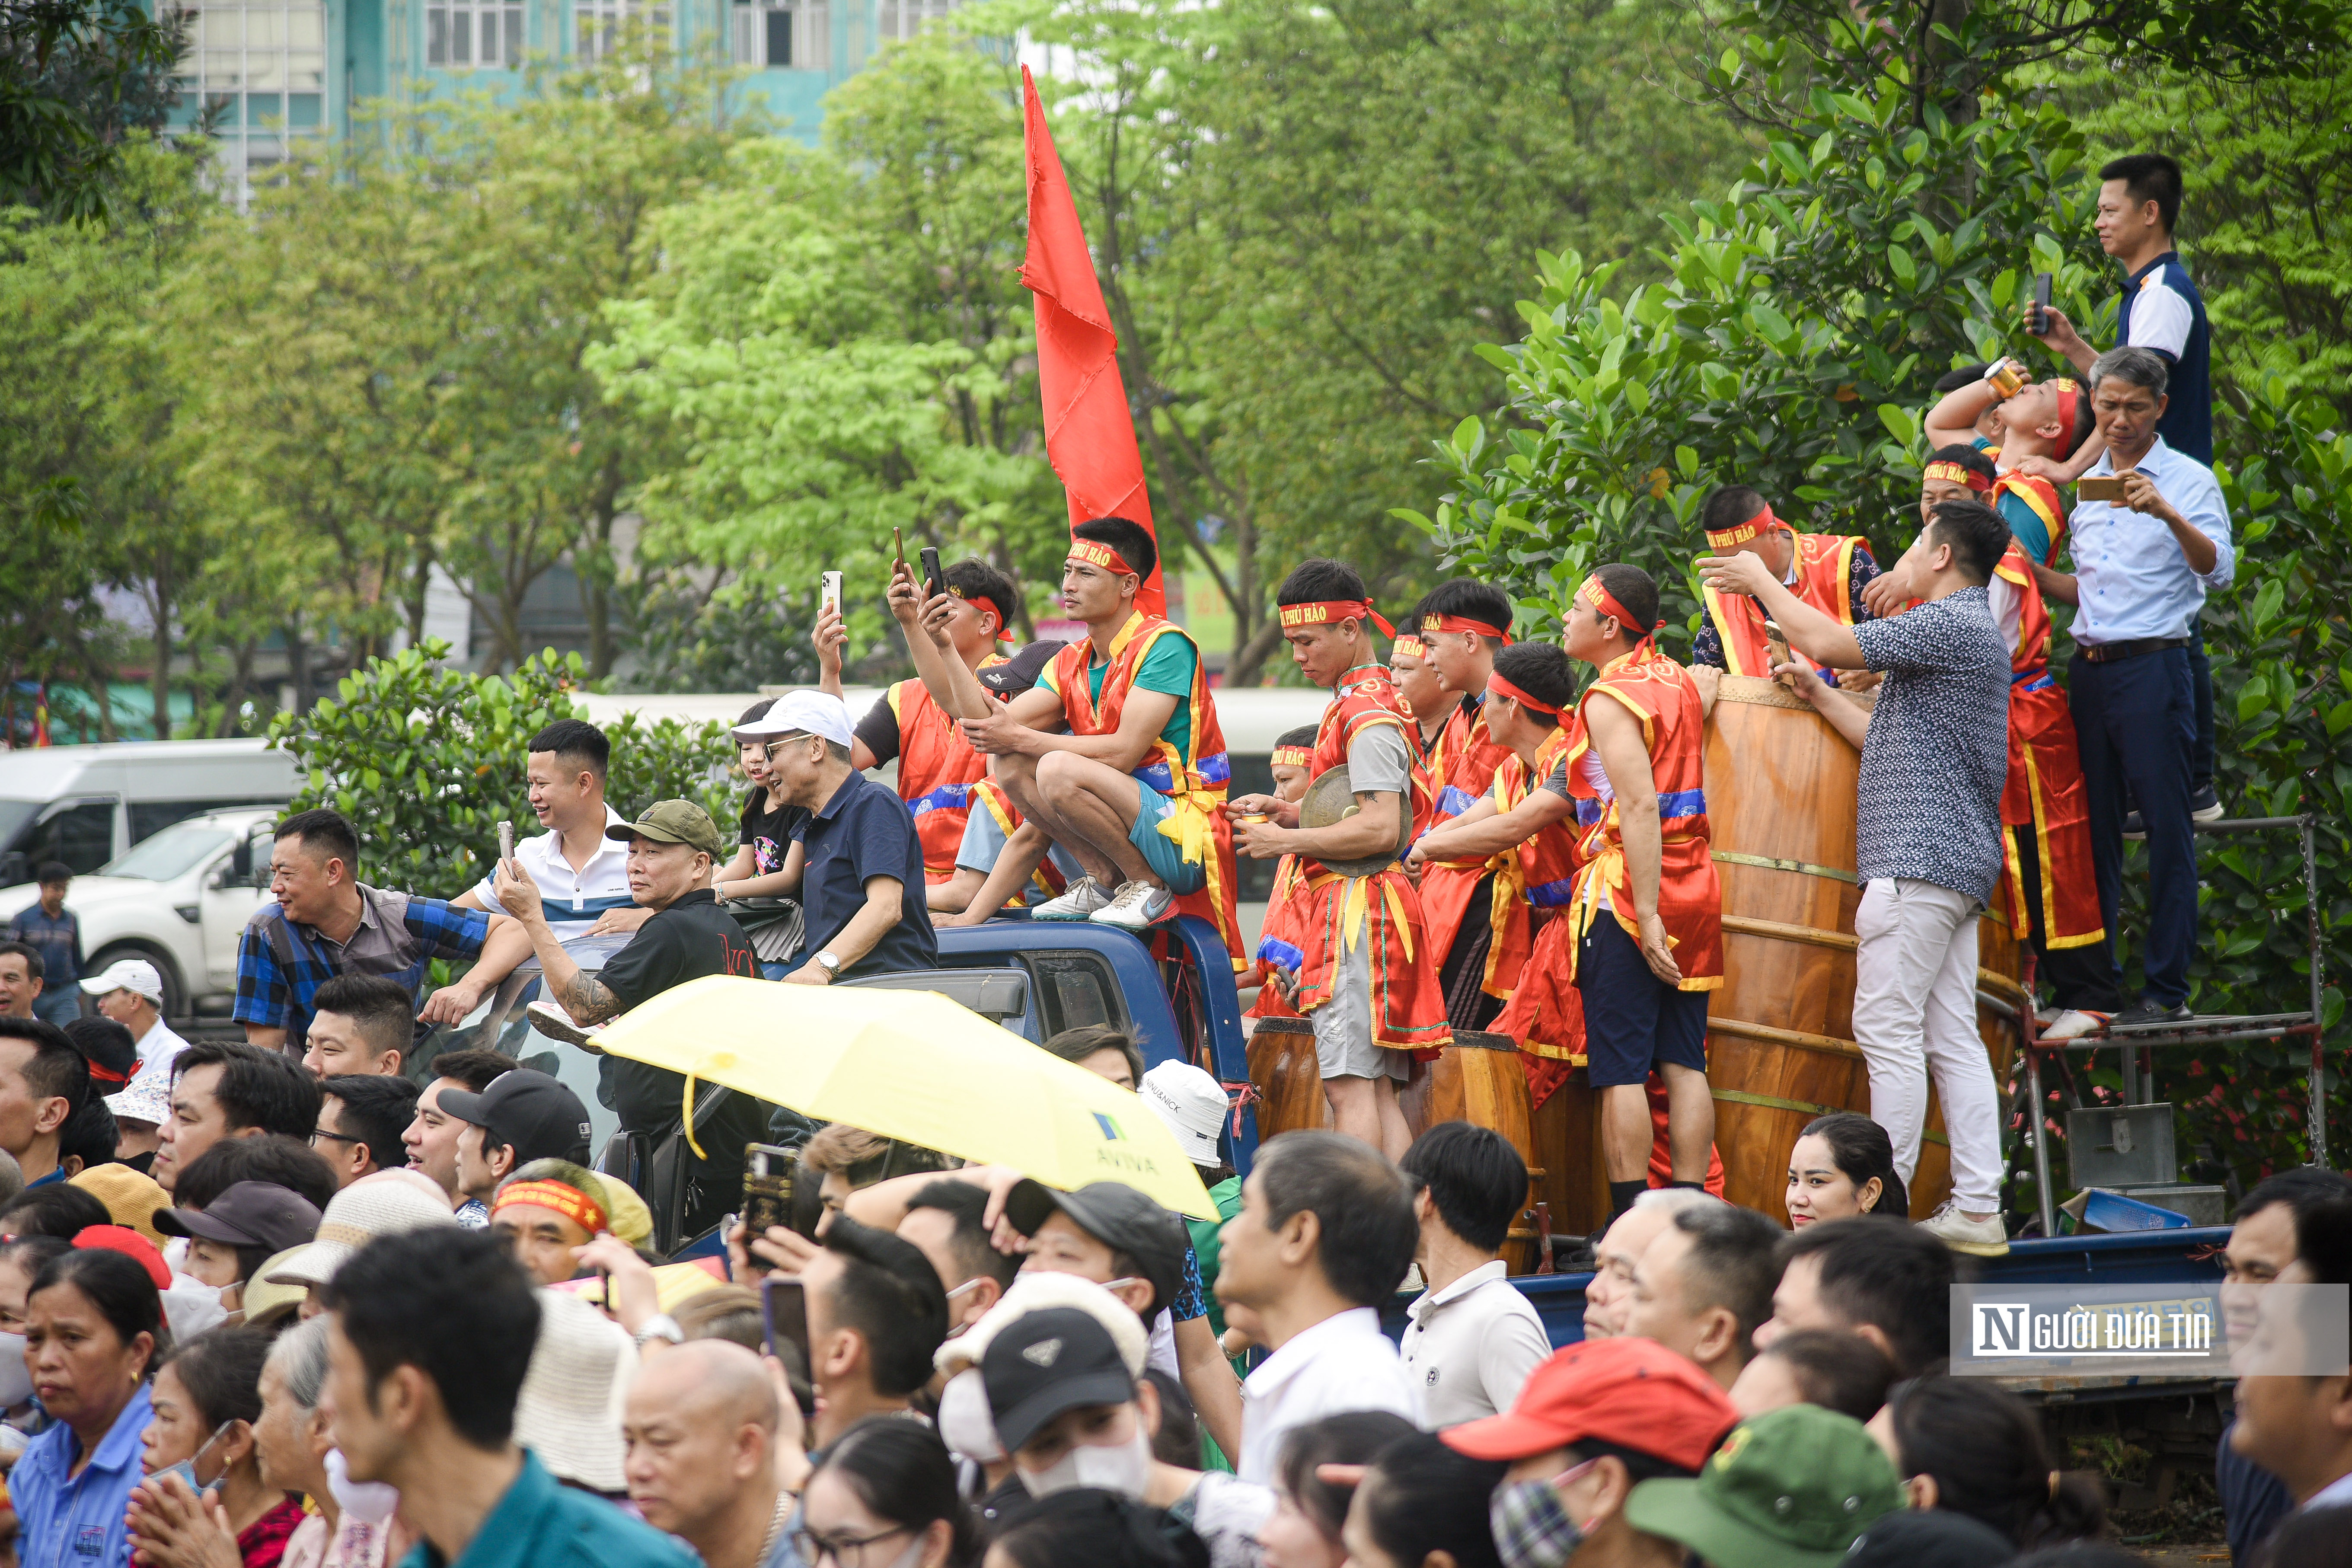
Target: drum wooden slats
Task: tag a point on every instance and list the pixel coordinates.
(1780, 805)
(1288, 1081)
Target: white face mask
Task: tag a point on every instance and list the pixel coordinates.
(16, 1378)
(966, 1423)
(1122, 1467)
(370, 1503)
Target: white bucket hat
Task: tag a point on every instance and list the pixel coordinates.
(386, 1203)
(569, 1413)
(1191, 1104)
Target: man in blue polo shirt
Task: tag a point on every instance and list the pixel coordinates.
(862, 887)
(430, 1336)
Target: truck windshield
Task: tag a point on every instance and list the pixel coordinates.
(170, 853)
(14, 816)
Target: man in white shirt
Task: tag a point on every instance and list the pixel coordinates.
(1325, 1234)
(1474, 1339)
(583, 875)
(131, 993)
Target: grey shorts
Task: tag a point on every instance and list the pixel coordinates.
(1343, 1025)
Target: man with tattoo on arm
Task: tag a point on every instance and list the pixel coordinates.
(673, 848)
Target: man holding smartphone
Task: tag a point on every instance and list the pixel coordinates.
(2144, 563)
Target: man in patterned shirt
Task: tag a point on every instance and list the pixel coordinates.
(1928, 840)
(323, 921)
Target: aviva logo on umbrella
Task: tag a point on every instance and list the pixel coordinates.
(1110, 1130)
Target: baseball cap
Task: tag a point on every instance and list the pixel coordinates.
(132, 1245)
(530, 1109)
(1047, 1363)
(801, 714)
(1191, 1104)
(673, 822)
(1021, 671)
(146, 1097)
(1120, 1218)
(1928, 1538)
(1790, 1489)
(246, 1213)
(128, 974)
(132, 1198)
(385, 1204)
(1630, 1392)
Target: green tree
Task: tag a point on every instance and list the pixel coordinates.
(77, 78)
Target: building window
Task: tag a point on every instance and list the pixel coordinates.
(260, 66)
(896, 21)
(597, 24)
(781, 34)
(463, 35)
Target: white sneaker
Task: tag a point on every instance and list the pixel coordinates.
(556, 1024)
(2045, 1017)
(2074, 1024)
(1138, 906)
(1979, 1237)
(1079, 900)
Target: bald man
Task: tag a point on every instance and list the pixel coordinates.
(701, 1432)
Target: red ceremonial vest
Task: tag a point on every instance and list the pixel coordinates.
(1461, 765)
(2043, 497)
(1547, 862)
(1357, 705)
(1660, 693)
(1824, 561)
(937, 768)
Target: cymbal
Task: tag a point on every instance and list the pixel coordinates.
(1331, 799)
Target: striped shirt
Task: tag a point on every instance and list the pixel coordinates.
(571, 900)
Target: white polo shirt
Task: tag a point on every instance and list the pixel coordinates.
(1471, 1346)
(1343, 1362)
(159, 1047)
(573, 900)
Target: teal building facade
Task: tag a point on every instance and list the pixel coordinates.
(275, 71)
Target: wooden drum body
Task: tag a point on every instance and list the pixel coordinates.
(1288, 1079)
(1780, 806)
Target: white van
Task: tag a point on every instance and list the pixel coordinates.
(179, 899)
(86, 804)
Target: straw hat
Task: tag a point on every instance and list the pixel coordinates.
(573, 1397)
(131, 1198)
(265, 1300)
(368, 1208)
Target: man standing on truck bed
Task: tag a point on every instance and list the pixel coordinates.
(1132, 790)
(323, 921)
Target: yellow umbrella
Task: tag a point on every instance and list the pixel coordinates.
(913, 1066)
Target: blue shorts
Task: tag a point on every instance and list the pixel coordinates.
(1633, 1021)
(1161, 853)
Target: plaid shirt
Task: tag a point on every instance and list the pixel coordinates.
(281, 963)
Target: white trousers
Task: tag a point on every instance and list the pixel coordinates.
(1915, 1015)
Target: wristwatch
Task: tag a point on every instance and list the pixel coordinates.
(831, 964)
(661, 1327)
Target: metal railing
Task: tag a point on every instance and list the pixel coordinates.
(2210, 1029)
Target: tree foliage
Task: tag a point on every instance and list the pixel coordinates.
(77, 79)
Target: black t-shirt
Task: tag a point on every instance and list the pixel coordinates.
(879, 731)
(692, 937)
(769, 832)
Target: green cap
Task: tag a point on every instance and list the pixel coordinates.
(674, 822)
(1788, 1488)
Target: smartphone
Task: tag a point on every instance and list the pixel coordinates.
(2036, 321)
(768, 1172)
(828, 592)
(935, 582)
(897, 551)
(506, 841)
(784, 1311)
(2099, 486)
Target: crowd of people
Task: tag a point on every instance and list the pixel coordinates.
(261, 1321)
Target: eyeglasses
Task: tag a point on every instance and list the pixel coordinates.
(319, 1132)
(849, 1551)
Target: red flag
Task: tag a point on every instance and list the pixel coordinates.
(1089, 435)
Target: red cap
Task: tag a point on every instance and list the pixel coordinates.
(121, 1239)
(1632, 1392)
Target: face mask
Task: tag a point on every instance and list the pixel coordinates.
(1122, 1467)
(186, 1468)
(15, 1381)
(966, 1423)
(1530, 1524)
(370, 1503)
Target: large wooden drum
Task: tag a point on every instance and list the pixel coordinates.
(1780, 1051)
(1288, 1080)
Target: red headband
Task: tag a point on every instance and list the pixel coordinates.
(1462, 623)
(1763, 521)
(1499, 687)
(1293, 757)
(1003, 621)
(1331, 612)
(1601, 600)
(1958, 474)
(1408, 645)
(1097, 554)
(568, 1201)
(2068, 393)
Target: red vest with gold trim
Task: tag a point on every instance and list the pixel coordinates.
(1824, 563)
